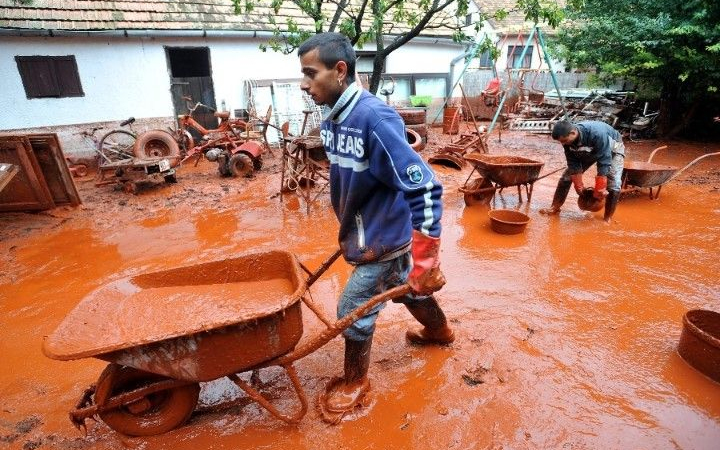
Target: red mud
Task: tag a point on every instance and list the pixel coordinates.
(566, 333)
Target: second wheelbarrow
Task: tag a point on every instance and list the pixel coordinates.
(638, 174)
(164, 332)
(498, 172)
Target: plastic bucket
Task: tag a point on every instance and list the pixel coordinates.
(451, 120)
(699, 342)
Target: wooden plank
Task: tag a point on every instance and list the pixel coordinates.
(27, 190)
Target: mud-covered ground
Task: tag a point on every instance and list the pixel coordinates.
(566, 334)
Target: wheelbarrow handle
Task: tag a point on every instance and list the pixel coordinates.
(652, 154)
(550, 173)
(321, 270)
(338, 327)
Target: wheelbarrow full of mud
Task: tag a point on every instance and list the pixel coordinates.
(638, 175)
(165, 332)
(498, 172)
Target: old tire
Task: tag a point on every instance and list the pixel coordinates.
(412, 116)
(414, 140)
(472, 199)
(421, 129)
(156, 144)
(241, 165)
(155, 413)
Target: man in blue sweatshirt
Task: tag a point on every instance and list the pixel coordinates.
(587, 143)
(388, 203)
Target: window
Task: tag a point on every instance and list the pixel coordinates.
(433, 84)
(514, 52)
(49, 76)
(486, 60)
(364, 62)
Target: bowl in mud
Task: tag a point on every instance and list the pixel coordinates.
(508, 221)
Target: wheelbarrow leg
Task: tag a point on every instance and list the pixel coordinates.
(258, 397)
(657, 193)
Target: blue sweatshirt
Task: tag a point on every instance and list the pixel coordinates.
(596, 144)
(380, 188)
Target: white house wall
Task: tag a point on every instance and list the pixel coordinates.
(124, 77)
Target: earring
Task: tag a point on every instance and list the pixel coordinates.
(339, 82)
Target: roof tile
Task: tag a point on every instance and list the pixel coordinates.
(153, 14)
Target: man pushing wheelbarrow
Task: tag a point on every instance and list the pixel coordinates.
(388, 203)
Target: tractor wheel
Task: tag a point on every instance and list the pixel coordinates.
(241, 165)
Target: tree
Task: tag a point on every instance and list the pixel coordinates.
(398, 21)
(669, 48)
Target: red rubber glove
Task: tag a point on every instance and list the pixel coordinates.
(425, 276)
(577, 182)
(600, 191)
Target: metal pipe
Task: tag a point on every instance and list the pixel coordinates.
(517, 66)
(552, 73)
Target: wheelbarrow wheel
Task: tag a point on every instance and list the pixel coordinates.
(153, 414)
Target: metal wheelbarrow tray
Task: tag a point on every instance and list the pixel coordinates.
(646, 174)
(498, 172)
(164, 332)
(506, 170)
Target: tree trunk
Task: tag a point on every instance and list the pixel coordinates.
(376, 77)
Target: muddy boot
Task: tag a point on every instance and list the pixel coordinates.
(431, 316)
(561, 193)
(611, 202)
(342, 395)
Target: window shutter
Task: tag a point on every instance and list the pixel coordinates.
(37, 74)
(68, 76)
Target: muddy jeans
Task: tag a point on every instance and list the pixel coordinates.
(614, 179)
(366, 281)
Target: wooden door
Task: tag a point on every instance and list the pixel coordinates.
(191, 76)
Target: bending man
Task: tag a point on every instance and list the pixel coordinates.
(587, 143)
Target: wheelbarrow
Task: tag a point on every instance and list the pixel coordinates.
(498, 172)
(165, 332)
(638, 175)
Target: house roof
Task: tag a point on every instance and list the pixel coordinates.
(185, 15)
(515, 21)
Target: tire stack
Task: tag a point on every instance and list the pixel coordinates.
(415, 119)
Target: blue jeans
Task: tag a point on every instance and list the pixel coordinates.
(366, 281)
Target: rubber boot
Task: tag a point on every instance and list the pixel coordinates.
(561, 193)
(345, 394)
(611, 202)
(431, 316)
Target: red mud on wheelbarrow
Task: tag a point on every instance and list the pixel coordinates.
(193, 323)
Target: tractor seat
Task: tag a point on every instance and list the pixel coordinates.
(222, 114)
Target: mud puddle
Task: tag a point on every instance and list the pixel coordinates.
(566, 334)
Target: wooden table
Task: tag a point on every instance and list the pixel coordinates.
(7, 172)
